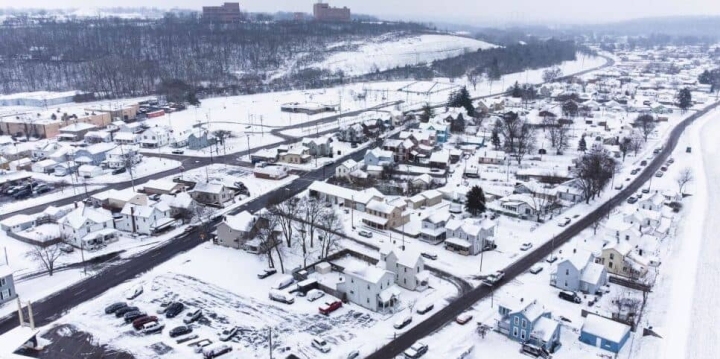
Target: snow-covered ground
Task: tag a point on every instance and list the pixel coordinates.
(147, 167)
(383, 54)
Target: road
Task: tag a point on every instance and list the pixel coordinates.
(448, 314)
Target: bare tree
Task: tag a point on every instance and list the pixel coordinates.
(508, 127)
(646, 124)
(625, 146)
(474, 77)
(562, 138)
(47, 256)
(594, 171)
(267, 234)
(287, 211)
(636, 142)
(525, 141)
(597, 224)
(550, 75)
(330, 229)
(684, 177)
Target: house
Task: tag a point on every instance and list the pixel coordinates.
(580, 273)
(162, 186)
(646, 219)
(468, 237)
(45, 151)
(617, 229)
(433, 227)
(264, 155)
(442, 131)
(347, 167)
(89, 171)
(94, 154)
(421, 182)
(121, 156)
(440, 159)
(352, 133)
(98, 136)
(145, 219)
(44, 166)
(22, 164)
(126, 138)
(370, 287)
(401, 149)
(200, 138)
(117, 199)
(155, 137)
(211, 194)
(319, 147)
(378, 157)
(87, 227)
(409, 268)
(570, 192)
(619, 259)
(526, 321)
(296, 156)
(383, 214)
(349, 198)
(17, 223)
(65, 168)
(181, 202)
(273, 172)
(543, 175)
(490, 157)
(604, 333)
(7, 284)
(652, 203)
(75, 131)
(235, 230)
(520, 205)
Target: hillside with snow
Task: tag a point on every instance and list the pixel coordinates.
(387, 52)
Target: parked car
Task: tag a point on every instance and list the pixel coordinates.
(164, 306)
(120, 312)
(632, 199)
(643, 163)
(177, 152)
(634, 171)
(228, 334)
(402, 323)
(201, 344)
(131, 316)
(118, 171)
(135, 292)
(330, 307)
(321, 345)
(152, 327)
(659, 174)
(139, 322)
(281, 296)
(365, 234)
(429, 255)
(314, 294)
(551, 259)
(424, 308)
(22, 194)
(415, 351)
(66, 248)
(536, 269)
(645, 190)
(526, 246)
(671, 160)
(570, 296)
(174, 309)
(181, 330)
(619, 186)
(564, 222)
(355, 354)
(216, 351)
(42, 188)
(192, 316)
(463, 318)
(266, 273)
(283, 282)
(663, 168)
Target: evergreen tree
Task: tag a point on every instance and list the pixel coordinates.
(458, 124)
(516, 91)
(475, 201)
(461, 98)
(427, 113)
(495, 139)
(684, 98)
(582, 146)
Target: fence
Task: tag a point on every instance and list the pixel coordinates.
(33, 242)
(630, 284)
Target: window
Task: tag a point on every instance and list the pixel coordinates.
(610, 265)
(352, 280)
(522, 334)
(2, 282)
(368, 286)
(515, 331)
(405, 280)
(612, 256)
(368, 300)
(524, 323)
(627, 237)
(567, 272)
(405, 270)
(517, 320)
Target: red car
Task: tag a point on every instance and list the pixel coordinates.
(330, 307)
(139, 322)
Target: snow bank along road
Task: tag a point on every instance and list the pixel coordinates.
(447, 314)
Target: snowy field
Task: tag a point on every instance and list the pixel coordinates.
(384, 54)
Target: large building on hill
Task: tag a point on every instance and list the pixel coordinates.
(227, 12)
(323, 12)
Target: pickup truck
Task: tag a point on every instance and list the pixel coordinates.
(491, 279)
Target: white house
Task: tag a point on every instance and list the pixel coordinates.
(409, 268)
(370, 287)
(433, 227)
(17, 223)
(347, 167)
(521, 205)
(145, 219)
(616, 229)
(652, 203)
(155, 137)
(89, 171)
(468, 237)
(88, 227)
(119, 156)
(579, 272)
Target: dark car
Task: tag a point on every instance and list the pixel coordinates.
(112, 308)
(131, 316)
(174, 309)
(121, 312)
(139, 322)
(43, 188)
(429, 255)
(22, 194)
(118, 171)
(570, 297)
(181, 330)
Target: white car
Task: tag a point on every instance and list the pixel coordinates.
(314, 294)
(417, 350)
(526, 246)
(152, 327)
(228, 334)
(402, 323)
(321, 345)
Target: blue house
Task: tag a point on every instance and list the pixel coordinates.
(604, 333)
(378, 157)
(526, 321)
(442, 131)
(7, 284)
(94, 154)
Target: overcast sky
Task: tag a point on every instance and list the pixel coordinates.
(474, 12)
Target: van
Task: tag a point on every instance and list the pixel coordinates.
(215, 351)
(284, 282)
(282, 297)
(570, 297)
(424, 308)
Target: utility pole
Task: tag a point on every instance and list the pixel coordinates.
(82, 255)
(270, 341)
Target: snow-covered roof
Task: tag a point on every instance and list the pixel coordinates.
(579, 260)
(605, 328)
(17, 219)
(544, 328)
(5, 270)
(380, 206)
(101, 147)
(350, 163)
(440, 157)
(77, 218)
(161, 184)
(369, 273)
(592, 273)
(78, 126)
(240, 222)
(215, 188)
(622, 247)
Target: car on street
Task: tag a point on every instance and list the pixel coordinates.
(266, 273)
(152, 327)
(402, 323)
(463, 318)
(131, 316)
(526, 246)
(66, 248)
(564, 222)
(491, 279)
(118, 171)
(181, 330)
(228, 334)
(120, 312)
(416, 350)
(570, 296)
(429, 255)
(314, 294)
(330, 307)
(365, 234)
(619, 186)
(424, 308)
(174, 309)
(42, 188)
(139, 322)
(632, 199)
(536, 269)
(178, 152)
(321, 345)
(192, 316)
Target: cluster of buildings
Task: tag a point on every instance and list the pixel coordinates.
(325, 12)
(225, 13)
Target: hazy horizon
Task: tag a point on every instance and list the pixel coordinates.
(478, 13)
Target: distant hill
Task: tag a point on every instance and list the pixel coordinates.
(700, 26)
